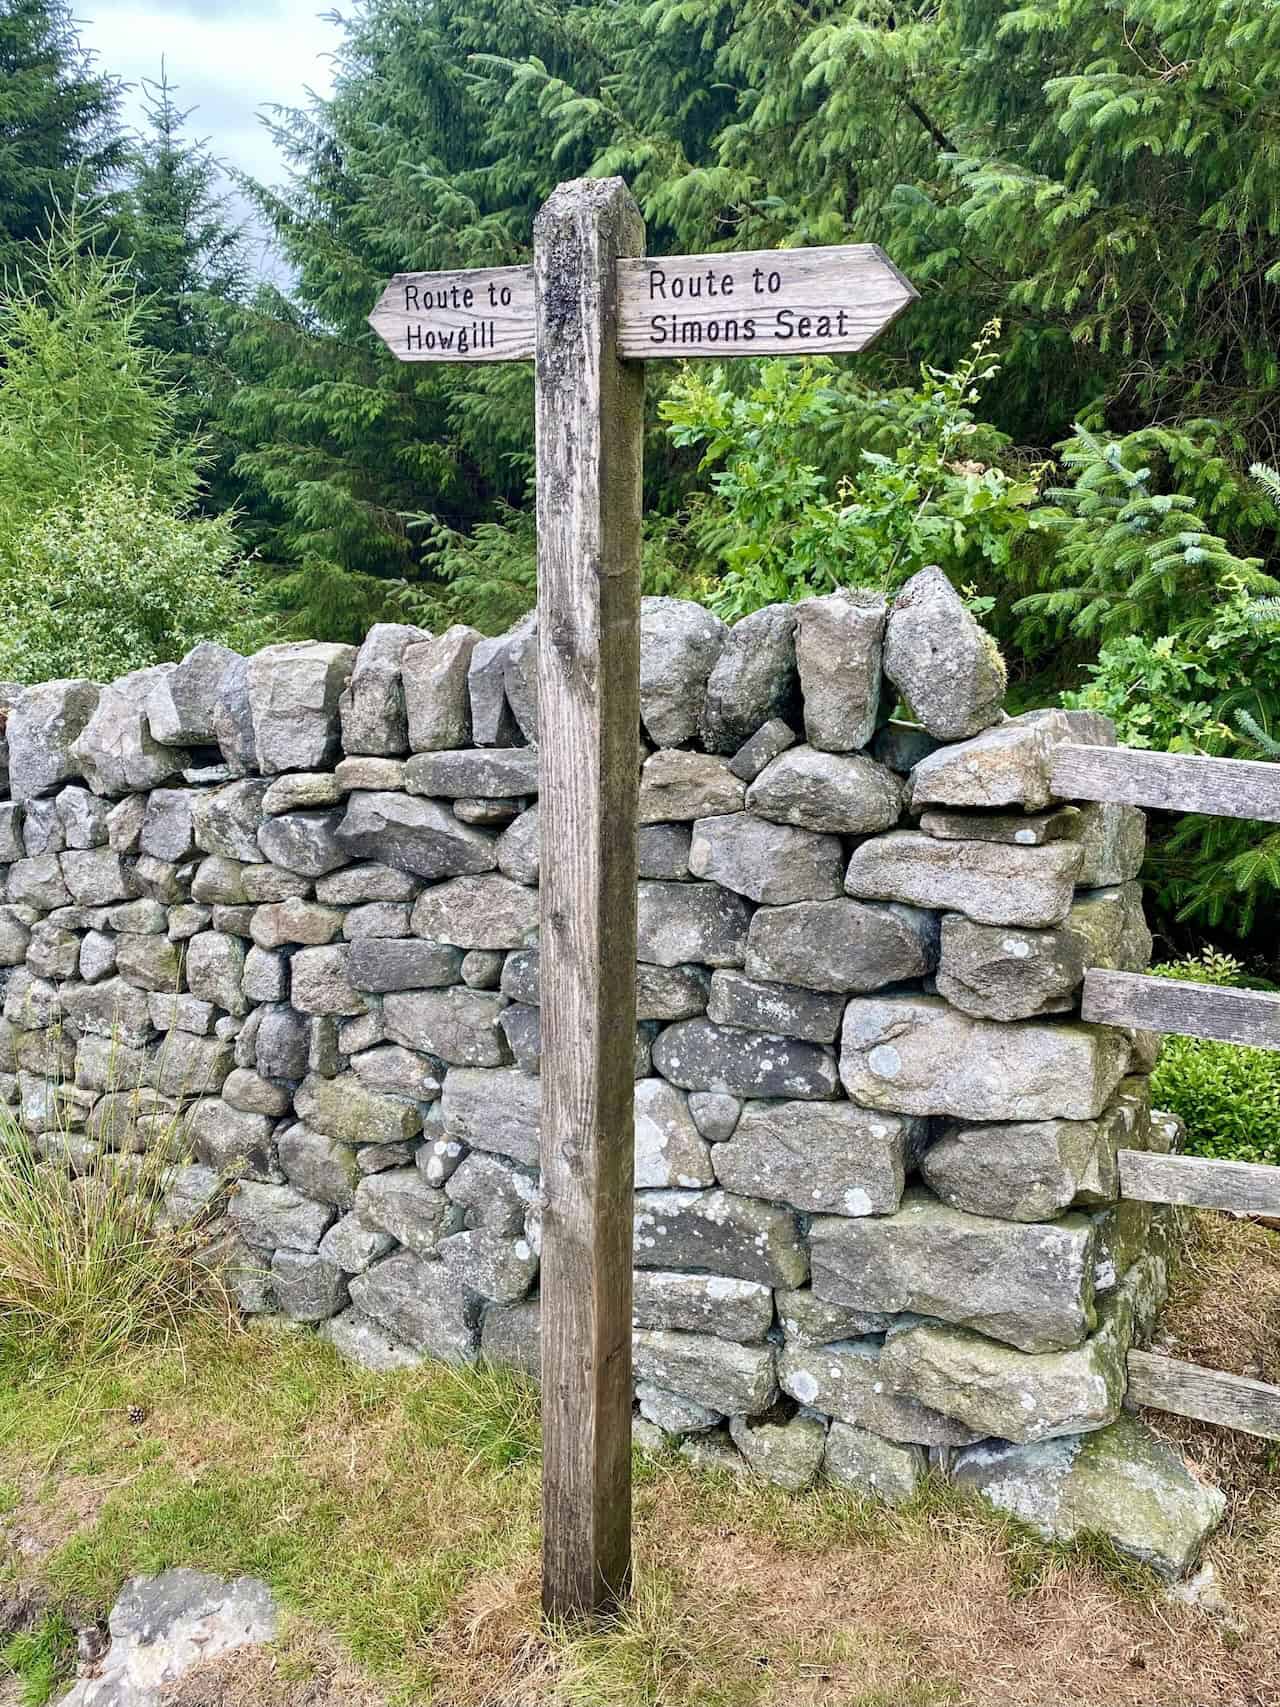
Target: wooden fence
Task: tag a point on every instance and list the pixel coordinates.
(1223, 788)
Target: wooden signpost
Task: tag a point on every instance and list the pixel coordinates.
(589, 311)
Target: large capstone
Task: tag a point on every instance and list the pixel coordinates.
(1000, 972)
(44, 724)
(1120, 1482)
(991, 884)
(822, 1158)
(294, 690)
(841, 945)
(918, 1055)
(1028, 1285)
(182, 705)
(116, 752)
(680, 642)
(418, 836)
(700, 1056)
(942, 662)
(839, 643)
(720, 1233)
(753, 680)
(434, 676)
(372, 708)
(840, 793)
(774, 863)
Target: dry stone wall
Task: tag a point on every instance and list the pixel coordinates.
(291, 902)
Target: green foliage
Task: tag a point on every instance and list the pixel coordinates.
(81, 398)
(57, 124)
(1228, 1096)
(112, 581)
(773, 528)
(41, 1659)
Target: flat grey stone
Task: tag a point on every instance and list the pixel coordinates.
(366, 883)
(38, 883)
(1114, 839)
(520, 675)
(762, 749)
(112, 1008)
(276, 1217)
(95, 877)
(942, 662)
(421, 837)
(401, 1202)
(307, 923)
(1033, 1170)
(1030, 1286)
(15, 934)
(320, 1167)
(281, 1043)
(721, 1375)
(355, 773)
(1008, 765)
(991, 884)
(700, 1056)
(477, 912)
(495, 1110)
(845, 1381)
(344, 1107)
(691, 923)
(753, 680)
(301, 791)
(42, 829)
(828, 1158)
(839, 647)
(500, 1269)
(677, 787)
(306, 1287)
(781, 1010)
(490, 1191)
(918, 1055)
(352, 1246)
(519, 848)
(482, 968)
(459, 1026)
(218, 881)
(377, 919)
(720, 1233)
(1121, 1482)
(382, 964)
(215, 970)
(399, 1072)
(434, 675)
(702, 1304)
(680, 642)
(807, 1319)
(1014, 1395)
(773, 863)
(233, 719)
(233, 1144)
(305, 842)
(163, 1626)
(421, 1305)
(182, 705)
(715, 1114)
(44, 724)
(669, 1149)
(839, 793)
(372, 707)
(190, 1065)
(152, 963)
(167, 828)
(294, 690)
(662, 851)
(361, 1341)
(786, 1451)
(495, 772)
(249, 1092)
(513, 1335)
(999, 972)
(866, 1462)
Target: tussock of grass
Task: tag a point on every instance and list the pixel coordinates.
(86, 1264)
(41, 1660)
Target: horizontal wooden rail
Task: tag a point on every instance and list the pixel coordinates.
(1206, 1395)
(1171, 782)
(1191, 1010)
(1200, 1182)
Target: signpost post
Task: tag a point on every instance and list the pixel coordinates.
(589, 311)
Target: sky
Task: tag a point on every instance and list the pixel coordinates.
(229, 59)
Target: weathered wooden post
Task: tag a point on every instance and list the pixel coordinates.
(590, 426)
(590, 310)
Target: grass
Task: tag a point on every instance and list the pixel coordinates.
(87, 1266)
(397, 1518)
(40, 1659)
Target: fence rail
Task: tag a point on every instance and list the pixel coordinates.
(1198, 1182)
(1169, 782)
(1250, 1017)
(1205, 1395)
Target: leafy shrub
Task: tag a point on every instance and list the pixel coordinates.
(1228, 1096)
(111, 581)
(88, 1263)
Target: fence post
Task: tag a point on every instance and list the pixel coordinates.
(589, 435)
